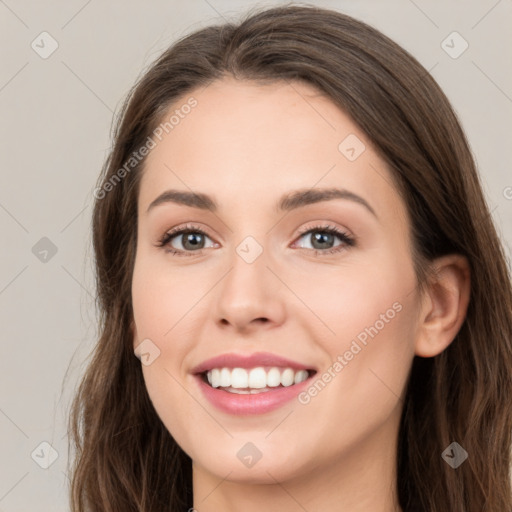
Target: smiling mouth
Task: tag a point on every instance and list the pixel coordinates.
(254, 381)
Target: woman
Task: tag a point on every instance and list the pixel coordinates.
(291, 236)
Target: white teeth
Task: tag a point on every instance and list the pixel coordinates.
(273, 377)
(225, 377)
(215, 378)
(247, 391)
(257, 379)
(301, 376)
(239, 378)
(287, 377)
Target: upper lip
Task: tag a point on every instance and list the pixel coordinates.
(232, 360)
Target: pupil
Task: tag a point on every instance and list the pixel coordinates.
(321, 237)
(193, 239)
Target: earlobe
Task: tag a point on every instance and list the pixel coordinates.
(445, 306)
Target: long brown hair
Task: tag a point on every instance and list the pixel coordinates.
(125, 459)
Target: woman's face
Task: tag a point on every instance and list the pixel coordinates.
(259, 274)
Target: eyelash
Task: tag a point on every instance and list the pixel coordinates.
(347, 240)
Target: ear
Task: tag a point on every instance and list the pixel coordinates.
(444, 305)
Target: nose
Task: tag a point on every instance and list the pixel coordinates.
(250, 296)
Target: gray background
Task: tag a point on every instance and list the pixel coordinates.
(55, 125)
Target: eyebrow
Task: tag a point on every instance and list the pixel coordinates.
(289, 201)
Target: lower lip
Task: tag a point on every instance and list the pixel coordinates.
(258, 403)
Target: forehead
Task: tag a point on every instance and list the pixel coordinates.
(232, 116)
(254, 142)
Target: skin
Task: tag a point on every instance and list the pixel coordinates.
(246, 144)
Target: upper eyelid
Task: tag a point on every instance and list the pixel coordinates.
(190, 228)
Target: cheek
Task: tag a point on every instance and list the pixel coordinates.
(162, 299)
(368, 327)
(160, 304)
(349, 299)
(157, 309)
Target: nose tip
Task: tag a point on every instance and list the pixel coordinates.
(248, 297)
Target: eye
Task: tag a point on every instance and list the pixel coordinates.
(192, 240)
(322, 238)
